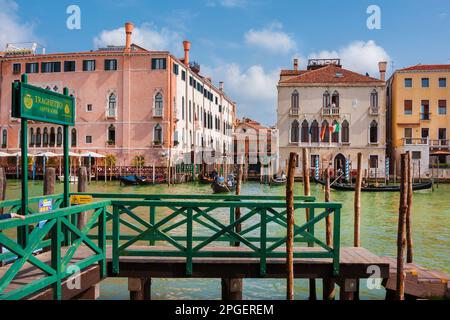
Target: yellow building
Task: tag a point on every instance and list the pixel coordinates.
(418, 117)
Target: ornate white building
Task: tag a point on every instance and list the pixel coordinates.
(335, 113)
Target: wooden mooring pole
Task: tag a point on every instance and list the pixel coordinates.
(232, 287)
(307, 192)
(409, 240)
(329, 292)
(290, 227)
(357, 208)
(357, 204)
(82, 187)
(401, 235)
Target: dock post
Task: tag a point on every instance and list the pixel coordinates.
(82, 187)
(307, 192)
(328, 283)
(2, 198)
(401, 237)
(290, 226)
(232, 289)
(140, 288)
(357, 204)
(49, 181)
(409, 240)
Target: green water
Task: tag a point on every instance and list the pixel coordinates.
(431, 234)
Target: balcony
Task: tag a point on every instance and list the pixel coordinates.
(374, 111)
(425, 116)
(110, 144)
(331, 112)
(415, 141)
(440, 143)
(294, 112)
(158, 112)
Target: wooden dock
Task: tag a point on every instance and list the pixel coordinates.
(420, 282)
(353, 265)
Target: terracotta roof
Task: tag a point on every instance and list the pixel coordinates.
(331, 74)
(427, 67)
(292, 72)
(251, 123)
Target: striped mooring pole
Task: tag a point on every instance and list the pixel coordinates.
(347, 170)
(316, 165)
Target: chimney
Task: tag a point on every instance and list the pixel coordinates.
(296, 64)
(187, 48)
(221, 86)
(383, 67)
(129, 27)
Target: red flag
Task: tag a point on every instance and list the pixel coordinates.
(322, 133)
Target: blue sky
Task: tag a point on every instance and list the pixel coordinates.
(245, 42)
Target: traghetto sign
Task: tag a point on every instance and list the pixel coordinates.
(34, 103)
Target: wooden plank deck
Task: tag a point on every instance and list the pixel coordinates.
(353, 264)
(420, 282)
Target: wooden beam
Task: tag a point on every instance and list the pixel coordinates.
(401, 237)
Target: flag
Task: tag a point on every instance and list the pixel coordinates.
(335, 128)
(322, 133)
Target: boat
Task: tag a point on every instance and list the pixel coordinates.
(219, 186)
(205, 180)
(380, 188)
(135, 181)
(278, 181)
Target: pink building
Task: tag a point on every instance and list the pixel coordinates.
(129, 102)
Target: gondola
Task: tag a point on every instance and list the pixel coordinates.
(371, 188)
(278, 182)
(135, 181)
(205, 180)
(219, 186)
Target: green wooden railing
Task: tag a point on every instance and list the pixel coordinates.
(51, 235)
(192, 229)
(183, 226)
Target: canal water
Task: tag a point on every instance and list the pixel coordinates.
(379, 216)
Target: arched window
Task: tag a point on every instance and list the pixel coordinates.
(59, 137)
(73, 137)
(112, 105)
(315, 132)
(305, 132)
(157, 135)
(345, 136)
(335, 134)
(111, 135)
(335, 100)
(4, 138)
(325, 132)
(374, 99)
(326, 100)
(52, 137)
(373, 132)
(295, 102)
(32, 138)
(295, 132)
(159, 105)
(45, 138)
(38, 138)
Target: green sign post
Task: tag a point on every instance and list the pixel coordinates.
(37, 104)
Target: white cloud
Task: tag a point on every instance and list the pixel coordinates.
(11, 29)
(147, 36)
(253, 89)
(358, 56)
(271, 38)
